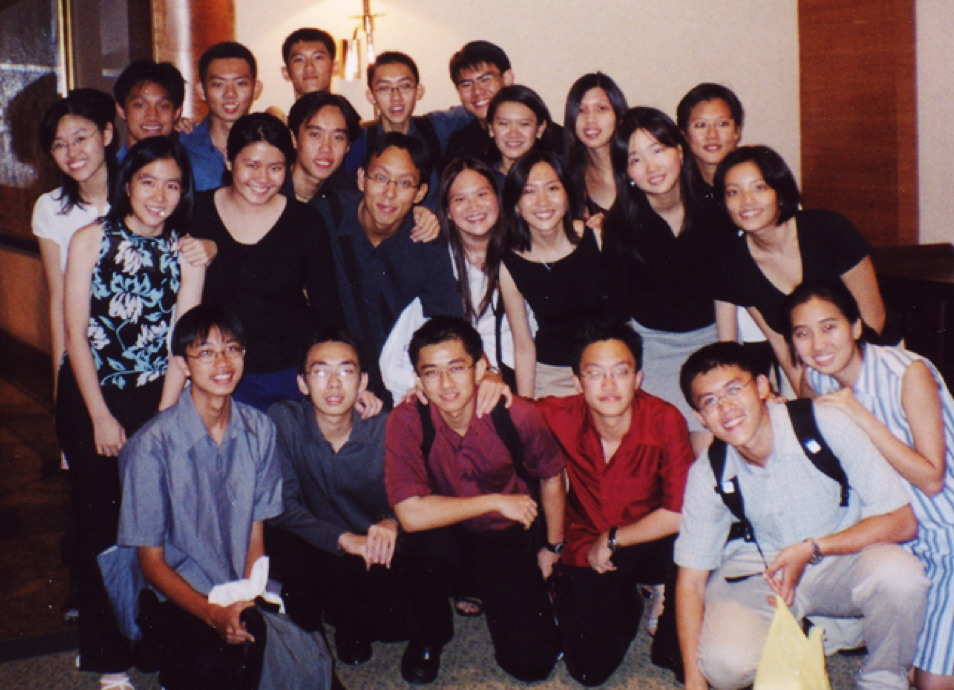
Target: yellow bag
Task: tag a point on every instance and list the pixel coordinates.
(790, 661)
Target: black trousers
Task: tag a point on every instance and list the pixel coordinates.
(191, 654)
(599, 613)
(516, 604)
(363, 605)
(95, 495)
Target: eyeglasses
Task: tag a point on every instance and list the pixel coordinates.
(711, 402)
(209, 355)
(594, 374)
(60, 146)
(324, 372)
(383, 181)
(457, 372)
(404, 88)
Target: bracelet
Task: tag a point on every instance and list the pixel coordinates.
(817, 554)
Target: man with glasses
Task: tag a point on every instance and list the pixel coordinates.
(333, 547)
(199, 480)
(628, 455)
(812, 550)
(462, 499)
(380, 268)
(394, 88)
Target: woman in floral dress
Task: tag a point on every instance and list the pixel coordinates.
(124, 283)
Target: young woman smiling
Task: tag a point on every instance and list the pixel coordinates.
(781, 246)
(470, 220)
(516, 119)
(594, 106)
(660, 243)
(900, 400)
(124, 279)
(274, 269)
(554, 263)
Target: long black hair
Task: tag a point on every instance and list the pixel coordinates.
(622, 220)
(518, 231)
(142, 154)
(89, 104)
(575, 151)
(495, 247)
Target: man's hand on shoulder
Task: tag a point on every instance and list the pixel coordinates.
(368, 404)
(599, 556)
(789, 566)
(489, 391)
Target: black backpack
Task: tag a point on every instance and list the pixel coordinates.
(802, 414)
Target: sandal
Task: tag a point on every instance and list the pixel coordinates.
(119, 683)
(468, 607)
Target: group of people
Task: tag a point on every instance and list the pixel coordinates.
(548, 316)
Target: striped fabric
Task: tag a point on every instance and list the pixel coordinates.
(879, 389)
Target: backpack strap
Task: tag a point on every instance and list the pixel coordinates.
(802, 413)
(507, 431)
(427, 426)
(730, 494)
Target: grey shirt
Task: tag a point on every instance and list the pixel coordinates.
(198, 498)
(327, 493)
(789, 500)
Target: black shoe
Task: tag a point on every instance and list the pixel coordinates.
(420, 663)
(351, 651)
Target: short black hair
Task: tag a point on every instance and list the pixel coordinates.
(715, 356)
(224, 51)
(306, 107)
(441, 329)
(331, 335)
(139, 156)
(416, 149)
(308, 35)
(475, 54)
(708, 92)
(524, 95)
(775, 172)
(195, 325)
(393, 57)
(138, 72)
(264, 127)
(598, 330)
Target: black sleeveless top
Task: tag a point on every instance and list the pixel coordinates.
(563, 296)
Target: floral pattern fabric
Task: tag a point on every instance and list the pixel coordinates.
(134, 287)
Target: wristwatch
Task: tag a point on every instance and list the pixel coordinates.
(611, 542)
(555, 548)
(817, 554)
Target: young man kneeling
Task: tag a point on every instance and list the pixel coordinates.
(198, 481)
(822, 546)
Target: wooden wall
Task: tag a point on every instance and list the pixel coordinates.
(859, 114)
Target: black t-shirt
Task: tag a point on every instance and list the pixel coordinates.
(671, 286)
(265, 283)
(829, 245)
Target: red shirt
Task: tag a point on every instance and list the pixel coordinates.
(648, 470)
(475, 464)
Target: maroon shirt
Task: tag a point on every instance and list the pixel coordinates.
(475, 464)
(648, 470)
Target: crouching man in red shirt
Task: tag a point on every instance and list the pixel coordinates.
(628, 456)
(463, 501)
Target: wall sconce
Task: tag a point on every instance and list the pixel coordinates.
(351, 66)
